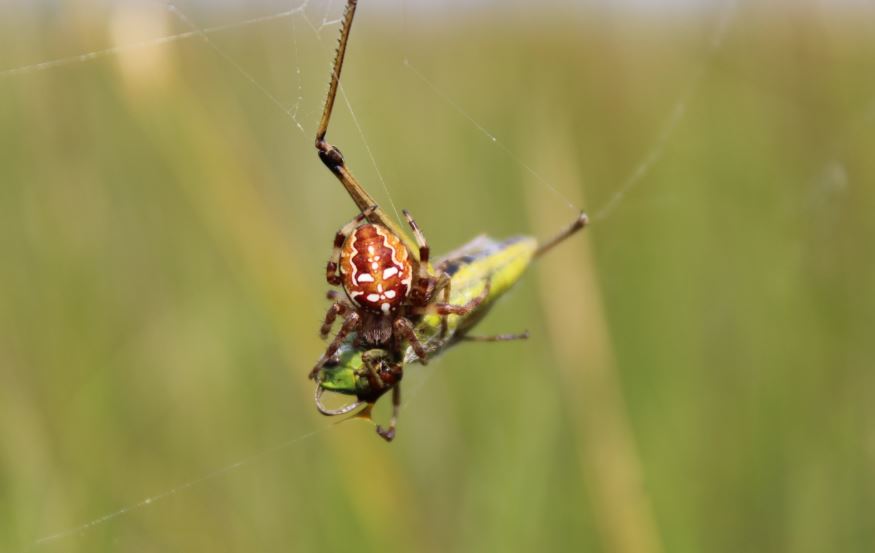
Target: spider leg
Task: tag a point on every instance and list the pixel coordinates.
(446, 299)
(337, 308)
(404, 328)
(332, 270)
(497, 338)
(371, 363)
(420, 238)
(351, 323)
(388, 434)
(424, 280)
(443, 281)
(461, 310)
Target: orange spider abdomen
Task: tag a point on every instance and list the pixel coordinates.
(375, 269)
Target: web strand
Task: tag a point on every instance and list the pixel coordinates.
(151, 500)
(651, 158)
(676, 115)
(489, 135)
(159, 41)
(654, 153)
(361, 132)
(299, 97)
(233, 63)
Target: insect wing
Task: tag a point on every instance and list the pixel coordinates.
(472, 267)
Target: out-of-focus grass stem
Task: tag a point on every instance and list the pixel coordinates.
(581, 344)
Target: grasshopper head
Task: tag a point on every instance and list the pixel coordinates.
(366, 374)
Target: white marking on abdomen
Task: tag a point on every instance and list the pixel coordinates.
(366, 277)
(389, 272)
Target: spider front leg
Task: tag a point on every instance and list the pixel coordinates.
(337, 308)
(404, 328)
(351, 323)
(424, 285)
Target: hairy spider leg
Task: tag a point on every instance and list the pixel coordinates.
(388, 434)
(404, 328)
(424, 280)
(497, 338)
(441, 308)
(446, 285)
(351, 323)
(337, 308)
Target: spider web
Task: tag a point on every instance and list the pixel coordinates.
(321, 21)
(311, 20)
(301, 11)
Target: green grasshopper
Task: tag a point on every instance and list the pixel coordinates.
(484, 265)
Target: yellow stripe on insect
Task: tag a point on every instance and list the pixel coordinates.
(496, 264)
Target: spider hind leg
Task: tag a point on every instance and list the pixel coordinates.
(388, 433)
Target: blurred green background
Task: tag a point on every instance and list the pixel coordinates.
(699, 376)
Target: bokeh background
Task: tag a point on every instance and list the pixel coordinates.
(699, 376)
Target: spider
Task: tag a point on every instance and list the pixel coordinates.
(376, 270)
(386, 283)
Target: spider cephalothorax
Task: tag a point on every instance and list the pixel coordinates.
(385, 286)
